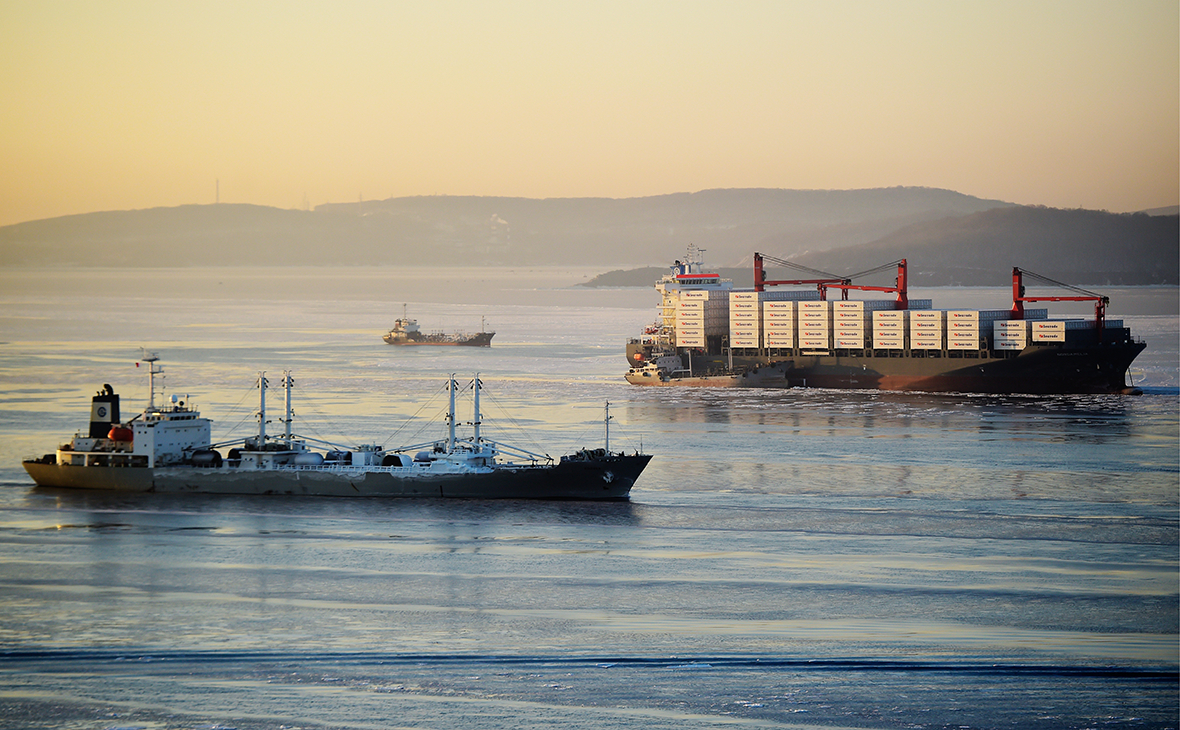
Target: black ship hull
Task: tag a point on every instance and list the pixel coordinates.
(1037, 369)
(594, 477)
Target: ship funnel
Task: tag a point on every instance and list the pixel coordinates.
(104, 412)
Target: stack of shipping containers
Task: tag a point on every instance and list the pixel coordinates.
(745, 319)
(701, 313)
(927, 328)
(764, 318)
(848, 325)
(889, 328)
(815, 325)
(962, 330)
(778, 323)
(1010, 334)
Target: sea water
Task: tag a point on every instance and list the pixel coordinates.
(798, 558)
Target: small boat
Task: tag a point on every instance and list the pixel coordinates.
(407, 332)
(169, 449)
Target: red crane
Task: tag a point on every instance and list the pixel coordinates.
(1018, 297)
(832, 281)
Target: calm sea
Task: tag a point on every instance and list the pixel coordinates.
(798, 558)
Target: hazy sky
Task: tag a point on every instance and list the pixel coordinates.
(116, 105)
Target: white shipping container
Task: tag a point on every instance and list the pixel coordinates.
(778, 315)
(925, 343)
(1009, 344)
(954, 343)
(930, 315)
(1048, 331)
(817, 315)
(814, 343)
(747, 296)
(779, 330)
(744, 306)
(690, 341)
(745, 342)
(747, 333)
(1014, 325)
(815, 306)
(967, 315)
(960, 325)
(814, 333)
(784, 305)
(701, 294)
(895, 315)
(744, 315)
(926, 325)
(773, 339)
(847, 316)
(889, 343)
(850, 343)
(848, 306)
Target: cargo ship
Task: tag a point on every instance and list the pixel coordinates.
(406, 331)
(709, 334)
(169, 449)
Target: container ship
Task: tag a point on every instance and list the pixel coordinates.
(710, 334)
(168, 448)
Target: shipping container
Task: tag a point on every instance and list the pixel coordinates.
(814, 343)
(850, 342)
(779, 339)
(779, 315)
(815, 306)
(785, 306)
(889, 343)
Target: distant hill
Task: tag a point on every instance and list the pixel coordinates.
(1074, 246)
(1083, 247)
(484, 230)
(947, 237)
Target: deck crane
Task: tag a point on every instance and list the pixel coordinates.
(1019, 298)
(834, 281)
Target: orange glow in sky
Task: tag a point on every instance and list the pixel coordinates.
(120, 105)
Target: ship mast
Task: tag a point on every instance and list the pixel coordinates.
(261, 409)
(287, 383)
(150, 358)
(606, 427)
(451, 418)
(475, 423)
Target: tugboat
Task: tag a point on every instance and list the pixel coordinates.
(169, 449)
(407, 332)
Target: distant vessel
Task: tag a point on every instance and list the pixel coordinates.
(406, 332)
(169, 449)
(709, 334)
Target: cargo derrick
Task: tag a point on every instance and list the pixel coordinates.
(1019, 298)
(785, 338)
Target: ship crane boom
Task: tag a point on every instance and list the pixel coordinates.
(825, 280)
(1084, 295)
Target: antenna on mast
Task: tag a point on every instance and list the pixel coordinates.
(150, 358)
